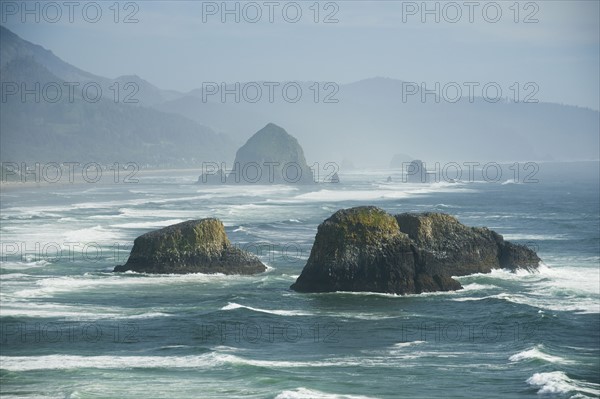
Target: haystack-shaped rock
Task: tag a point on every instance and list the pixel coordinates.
(271, 155)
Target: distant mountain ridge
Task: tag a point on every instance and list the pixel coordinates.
(35, 128)
(370, 121)
(12, 47)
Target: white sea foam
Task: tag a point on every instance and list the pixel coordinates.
(13, 308)
(266, 190)
(207, 361)
(478, 287)
(25, 265)
(557, 382)
(233, 306)
(537, 353)
(150, 224)
(390, 295)
(204, 361)
(576, 279)
(50, 286)
(349, 195)
(305, 393)
(565, 288)
(13, 276)
(407, 344)
(534, 237)
(362, 316)
(146, 213)
(95, 234)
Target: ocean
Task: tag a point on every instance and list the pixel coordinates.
(73, 329)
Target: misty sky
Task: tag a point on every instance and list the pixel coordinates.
(173, 48)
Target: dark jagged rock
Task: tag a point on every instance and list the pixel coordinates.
(359, 249)
(366, 249)
(195, 246)
(271, 155)
(447, 244)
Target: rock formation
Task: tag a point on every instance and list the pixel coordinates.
(335, 178)
(366, 249)
(271, 155)
(194, 246)
(415, 172)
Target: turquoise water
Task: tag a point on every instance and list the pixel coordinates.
(71, 328)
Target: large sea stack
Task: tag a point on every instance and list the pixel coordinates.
(270, 156)
(367, 249)
(195, 246)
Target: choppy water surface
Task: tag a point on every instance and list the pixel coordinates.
(71, 328)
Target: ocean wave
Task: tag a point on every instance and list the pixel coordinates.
(52, 285)
(478, 287)
(406, 344)
(549, 302)
(203, 361)
(305, 393)
(155, 213)
(534, 237)
(233, 306)
(364, 195)
(52, 310)
(536, 353)
(29, 264)
(13, 276)
(151, 224)
(32, 214)
(280, 312)
(390, 295)
(557, 382)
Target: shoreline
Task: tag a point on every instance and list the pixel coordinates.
(107, 180)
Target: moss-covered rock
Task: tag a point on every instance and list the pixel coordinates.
(359, 249)
(195, 246)
(366, 249)
(447, 244)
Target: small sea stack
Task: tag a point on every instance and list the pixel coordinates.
(194, 246)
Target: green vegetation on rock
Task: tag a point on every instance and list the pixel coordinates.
(367, 249)
(195, 246)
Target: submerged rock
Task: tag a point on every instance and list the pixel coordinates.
(366, 249)
(195, 246)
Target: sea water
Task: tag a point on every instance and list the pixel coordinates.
(73, 329)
